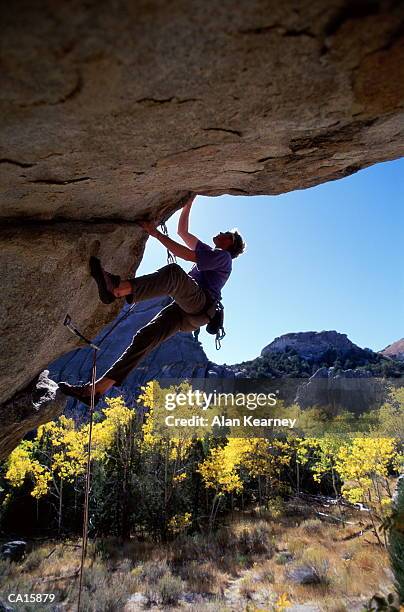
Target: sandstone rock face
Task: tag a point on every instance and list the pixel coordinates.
(45, 271)
(314, 345)
(115, 111)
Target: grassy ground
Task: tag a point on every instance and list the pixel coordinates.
(245, 565)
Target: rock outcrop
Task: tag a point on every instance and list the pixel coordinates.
(349, 390)
(115, 111)
(40, 402)
(394, 350)
(314, 346)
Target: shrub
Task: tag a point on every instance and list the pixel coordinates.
(283, 558)
(124, 566)
(161, 586)
(104, 590)
(152, 571)
(170, 589)
(108, 599)
(33, 560)
(311, 526)
(296, 546)
(95, 578)
(247, 587)
(317, 558)
(276, 507)
(223, 538)
(104, 548)
(165, 591)
(241, 560)
(200, 577)
(255, 539)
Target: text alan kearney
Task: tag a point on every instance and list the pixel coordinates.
(222, 421)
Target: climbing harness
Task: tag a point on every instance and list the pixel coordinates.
(215, 325)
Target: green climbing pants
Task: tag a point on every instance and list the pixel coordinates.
(190, 310)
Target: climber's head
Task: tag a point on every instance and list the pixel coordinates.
(230, 241)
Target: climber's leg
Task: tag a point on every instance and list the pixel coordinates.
(124, 288)
(165, 324)
(168, 280)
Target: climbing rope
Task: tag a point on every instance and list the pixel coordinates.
(69, 324)
(87, 487)
(125, 314)
(95, 347)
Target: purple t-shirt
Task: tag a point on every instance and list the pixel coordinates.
(212, 268)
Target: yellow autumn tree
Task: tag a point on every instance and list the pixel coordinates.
(58, 454)
(265, 460)
(364, 465)
(22, 464)
(256, 457)
(166, 454)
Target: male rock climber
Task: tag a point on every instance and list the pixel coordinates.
(194, 296)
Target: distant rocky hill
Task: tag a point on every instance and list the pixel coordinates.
(324, 369)
(395, 350)
(315, 346)
(301, 354)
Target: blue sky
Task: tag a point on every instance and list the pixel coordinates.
(329, 257)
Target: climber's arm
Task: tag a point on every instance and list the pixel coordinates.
(182, 230)
(179, 250)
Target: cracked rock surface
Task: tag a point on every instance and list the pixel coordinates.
(114, 111)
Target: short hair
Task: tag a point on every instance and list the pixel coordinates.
(238, 245)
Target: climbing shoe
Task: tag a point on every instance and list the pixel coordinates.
(106, 281)
(79, 392)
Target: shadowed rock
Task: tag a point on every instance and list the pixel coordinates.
(305, 574)
(38, 403)
(14, 550)
(46, 270)
(338, 390)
